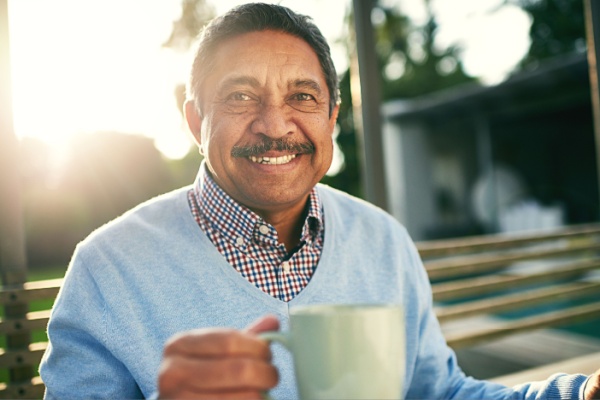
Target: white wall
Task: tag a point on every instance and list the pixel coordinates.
(409, 178)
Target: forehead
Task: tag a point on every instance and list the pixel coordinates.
(266, 55)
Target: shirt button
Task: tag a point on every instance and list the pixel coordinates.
(264, 229)
(239, 241)
(286, 266)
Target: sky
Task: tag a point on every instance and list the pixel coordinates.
(80, 66)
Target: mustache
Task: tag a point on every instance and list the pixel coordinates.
(267, 144)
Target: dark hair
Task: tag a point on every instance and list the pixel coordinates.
(254, 17)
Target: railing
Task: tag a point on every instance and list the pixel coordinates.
(20, 357)
(514, 284)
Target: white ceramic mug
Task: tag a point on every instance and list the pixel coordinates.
(346, 351)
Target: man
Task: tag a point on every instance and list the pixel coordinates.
(167, 300)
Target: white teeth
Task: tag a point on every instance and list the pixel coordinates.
(273, 160)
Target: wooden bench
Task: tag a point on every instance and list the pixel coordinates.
(20, 355)
(501, 288)
(473, 279)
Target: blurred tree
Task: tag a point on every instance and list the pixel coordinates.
(194, 15)
(115, 172)
(557, 28)
(184, 170)
(411, 63)
(410, 66)
(98, 177)
(347, 178)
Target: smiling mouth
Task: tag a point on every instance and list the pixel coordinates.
(291, 149)
(273, 160)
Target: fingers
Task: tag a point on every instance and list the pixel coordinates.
(218, 363)
(217, 343)
(216, 375)
(264, 324)
(242, 394)
(592, 388)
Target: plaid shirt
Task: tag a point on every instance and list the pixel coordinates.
(250, 244)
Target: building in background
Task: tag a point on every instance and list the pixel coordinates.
(516, 156)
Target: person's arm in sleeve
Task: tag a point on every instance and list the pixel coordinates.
(77, 363)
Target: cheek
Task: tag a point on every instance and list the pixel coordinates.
(316, 128)
(205, 132)
(215, 134)
(324, 137)
(329, 150)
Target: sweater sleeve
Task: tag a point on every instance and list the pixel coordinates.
(435, 372)
(78, 362)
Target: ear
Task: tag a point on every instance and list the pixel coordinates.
(333, 118)
(194, 121)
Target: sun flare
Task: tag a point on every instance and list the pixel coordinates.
(86, 68)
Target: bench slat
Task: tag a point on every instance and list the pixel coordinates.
(30, 356)
(33, 320)
(434, 248)
(33, 389)
(487, 284)
(464, 265)
(563, 317)
(27, 292)
(518, 300)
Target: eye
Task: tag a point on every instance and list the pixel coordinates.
(303, 97)
(304, 102)
(238, 102)
(238, 96)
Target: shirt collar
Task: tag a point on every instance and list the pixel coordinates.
(236, 221)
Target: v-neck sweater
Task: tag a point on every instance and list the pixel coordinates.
(152, 273)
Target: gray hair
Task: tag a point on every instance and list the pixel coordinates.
(255, 17)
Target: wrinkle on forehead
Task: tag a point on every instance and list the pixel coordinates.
(266, 59)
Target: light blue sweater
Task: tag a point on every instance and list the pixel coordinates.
(152, 273)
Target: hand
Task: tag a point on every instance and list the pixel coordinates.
(592, 389)
(218, 363)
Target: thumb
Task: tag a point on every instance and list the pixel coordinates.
(592, 388)
(263, 324)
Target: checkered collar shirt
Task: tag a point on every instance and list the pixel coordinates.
(251, 245)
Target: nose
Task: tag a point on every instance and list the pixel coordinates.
(274, 121)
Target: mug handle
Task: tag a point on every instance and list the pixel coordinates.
(274, 336)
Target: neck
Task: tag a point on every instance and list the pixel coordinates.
(288, 223)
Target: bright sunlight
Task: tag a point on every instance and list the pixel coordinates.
(83, 66)
(87, 66)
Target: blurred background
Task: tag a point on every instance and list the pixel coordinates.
(487, 118)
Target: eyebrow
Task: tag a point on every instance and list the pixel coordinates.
(307, 84)
(238, 81)
(253, 82)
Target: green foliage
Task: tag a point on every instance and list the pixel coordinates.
(348, 178)
(410, 63)
(558, 27)
(414, 67)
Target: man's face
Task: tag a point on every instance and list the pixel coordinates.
(266, 98)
